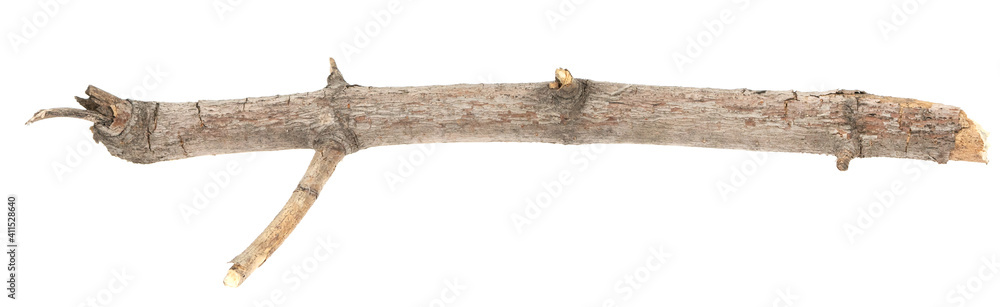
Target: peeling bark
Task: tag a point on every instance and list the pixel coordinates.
(341, 119)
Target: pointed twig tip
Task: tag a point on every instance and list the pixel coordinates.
(333, 65)
(91, 116)
(40, 115)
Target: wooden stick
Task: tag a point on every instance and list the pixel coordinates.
(324, 162)
(341, 119)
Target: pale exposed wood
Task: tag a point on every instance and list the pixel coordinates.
(970, 142)
(341, 119)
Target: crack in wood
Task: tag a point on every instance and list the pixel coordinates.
(197, 105)
(784, 116)
(906, 149)
(308, 190)
(155, 113)
(621, 90)
(149, 130)
(181, 141)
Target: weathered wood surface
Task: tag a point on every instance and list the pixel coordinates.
(341, 119)
(846, 124)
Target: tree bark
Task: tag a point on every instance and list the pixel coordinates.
(341, 119)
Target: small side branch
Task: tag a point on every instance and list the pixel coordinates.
(87, 115)
(335, 79)
(108, 113)
(322, 166)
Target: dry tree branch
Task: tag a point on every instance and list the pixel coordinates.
(341, 119)
(323, 163)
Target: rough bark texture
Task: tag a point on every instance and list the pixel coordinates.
(340, 119)
(846, 124)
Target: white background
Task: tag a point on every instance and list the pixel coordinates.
(776, 238)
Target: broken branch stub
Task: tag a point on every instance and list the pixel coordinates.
(340, 119)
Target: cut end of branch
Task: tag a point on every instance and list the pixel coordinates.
(844, 158)
(843, 163)
(244, 265)
(563, 78)
(323, 164)
(970, 142)
(120, 109)
(234, 278)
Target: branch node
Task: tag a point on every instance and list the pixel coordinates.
(335, 79)
(563, 78)
(564, 85)
(844, 159)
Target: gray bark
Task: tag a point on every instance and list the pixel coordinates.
(846, 124)
(341, 119)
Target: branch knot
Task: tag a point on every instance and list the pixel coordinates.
(565, 86)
